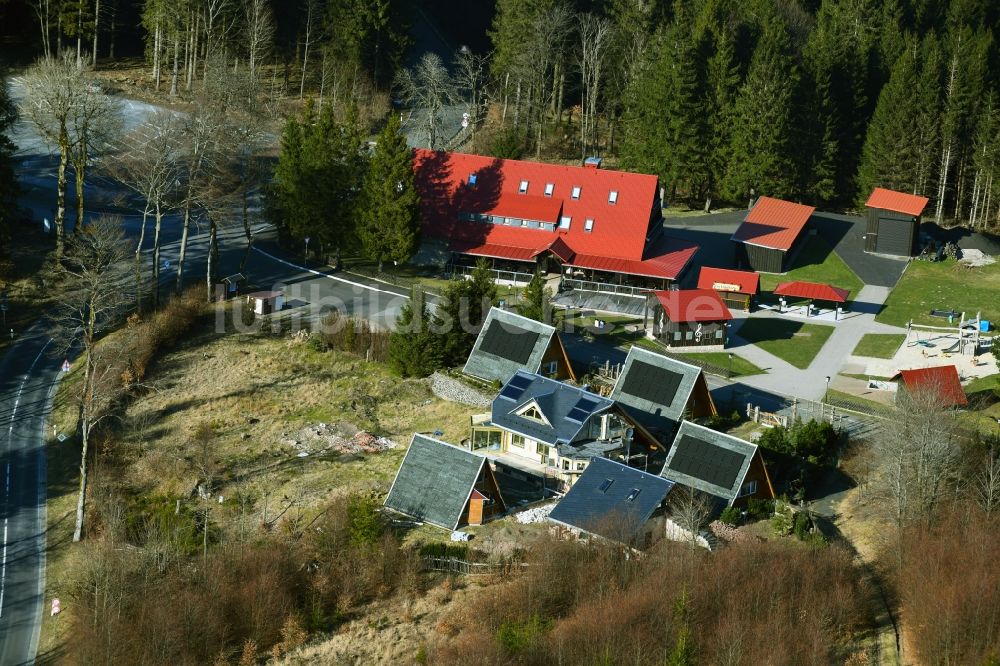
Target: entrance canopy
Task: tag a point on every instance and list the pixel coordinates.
(813, 291)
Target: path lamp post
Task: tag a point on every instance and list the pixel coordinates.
(307, 248)
(826, 394)
(730, 365)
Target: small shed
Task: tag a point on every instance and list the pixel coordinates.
(770, 234)
(233, 285)
(893, 222)
(687, 318)
(737, 289)
(813, 291)
(266, 302)
(942, 380)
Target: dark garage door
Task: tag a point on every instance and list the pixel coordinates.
(895, 236)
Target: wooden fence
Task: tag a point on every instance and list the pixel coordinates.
(455, 565)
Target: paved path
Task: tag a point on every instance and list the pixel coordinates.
(784, 378)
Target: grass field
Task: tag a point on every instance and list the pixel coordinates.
(816, 262)
(942, 285)
(879, 345)
(792, 341)
(740, 366)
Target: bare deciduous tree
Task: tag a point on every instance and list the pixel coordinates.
(470, 79)
(595, 38)
(95, 275)
(428, 87)
(259, 33)
(690, 509)
(95, 124)
(53, 87)
(986, 483)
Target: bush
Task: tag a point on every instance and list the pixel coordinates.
(760, 508)
(351, 335)
(441, 549)
(366, 524)
(802, 526)
(731, 516)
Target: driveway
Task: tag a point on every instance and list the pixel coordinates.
(846, 234)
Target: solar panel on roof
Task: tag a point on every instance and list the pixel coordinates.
(509, 343)
(520, 381)
(511, 392)
(652, 383)
(577, 415)
(586, 403)
(706, 461)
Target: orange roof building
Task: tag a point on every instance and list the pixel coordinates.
(893, 222)
(687, 318)
(736, 288)
(584, 221)
(941, 379)
(770, 233)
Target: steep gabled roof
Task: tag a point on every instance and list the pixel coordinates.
(507, 343)
(773, 223)
(693, 305)
(899, 202)
(565, 409)
(434, 481)
(619, 229)
(709, 461)
(611, 500)
(724, 279)
(654, 389)
(942, 379)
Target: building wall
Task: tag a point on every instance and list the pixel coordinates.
(766, 259)
(735, 300)
(555, 354)
(684, 334)
(889, 232)
(757, 473)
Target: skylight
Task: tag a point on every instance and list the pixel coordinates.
(548, 189)
(523, 188)
(576, 192)
(605, 484)
(613, 197)
(472, 179)
(588, 225)
(633, 494)
(565, 222)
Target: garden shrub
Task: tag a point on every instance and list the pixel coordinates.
(731, 516)
(760, 508)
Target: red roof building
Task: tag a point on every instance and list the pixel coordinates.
(735, 288)
(814, 291)
(942, 379)
(600, 224)
(687, 317)
(770, 231)
(893, 222)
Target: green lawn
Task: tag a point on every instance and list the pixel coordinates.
(879, 345)
(741, 366)
(816, 262)
(792, 341)
(942, 285)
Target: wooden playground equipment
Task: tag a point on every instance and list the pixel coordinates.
(966, 336)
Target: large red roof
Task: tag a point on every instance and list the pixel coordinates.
(943, 379)
(900, 202)
(693, 305)
(723, 279)
(773, 223)
(618, 231)
(814, 290)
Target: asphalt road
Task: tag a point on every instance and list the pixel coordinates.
(27, 383)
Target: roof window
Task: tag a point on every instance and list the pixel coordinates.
(605, 484)
(633, 494)
(472, 179)
(548, 189)
(588, 225)
(565, 221)
(613, 197)
(576, 192)
(523, 188)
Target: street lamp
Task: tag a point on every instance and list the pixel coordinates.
(826, 395)
(307, 248)
(730, 365)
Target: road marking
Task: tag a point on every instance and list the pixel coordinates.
(6, 497)
(327, 275)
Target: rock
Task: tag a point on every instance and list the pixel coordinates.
(252, 420)
(245, 436)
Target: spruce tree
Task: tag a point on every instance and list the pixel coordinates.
(414, 349)
(762, 161)
(388, 225)
(8, 180)
(535, 299)
(462, 309)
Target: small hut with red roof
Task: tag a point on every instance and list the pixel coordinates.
(893, 222)
(687, 318)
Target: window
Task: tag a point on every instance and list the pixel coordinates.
(472, 179)
(565, 465)
(632, 495)
(588, 225)
(605, 484)
(749, 488)
(718, 334)
(689, 335)
(548, 227)
(531, 224)
(523, 188)
(580, 465)
(565, 222)
(612, 197)
(532, 413)
(483, 438)
(548, 189)
(677, 335)
(576, 192)
(517, 440)
(552, 368)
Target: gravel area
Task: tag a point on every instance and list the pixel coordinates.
(449, 388)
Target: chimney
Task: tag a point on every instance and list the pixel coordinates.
(592, 163)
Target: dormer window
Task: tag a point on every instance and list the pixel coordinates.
(576, 192)
(565, 221)
(548, 189)
(588, 225)
(472, 179)
(532, 413)
(523, 187)
(613, 197)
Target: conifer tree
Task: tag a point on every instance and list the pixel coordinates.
(414, 349)
(535, 299)
(8, 180)
(462, 309)
(388, 225)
